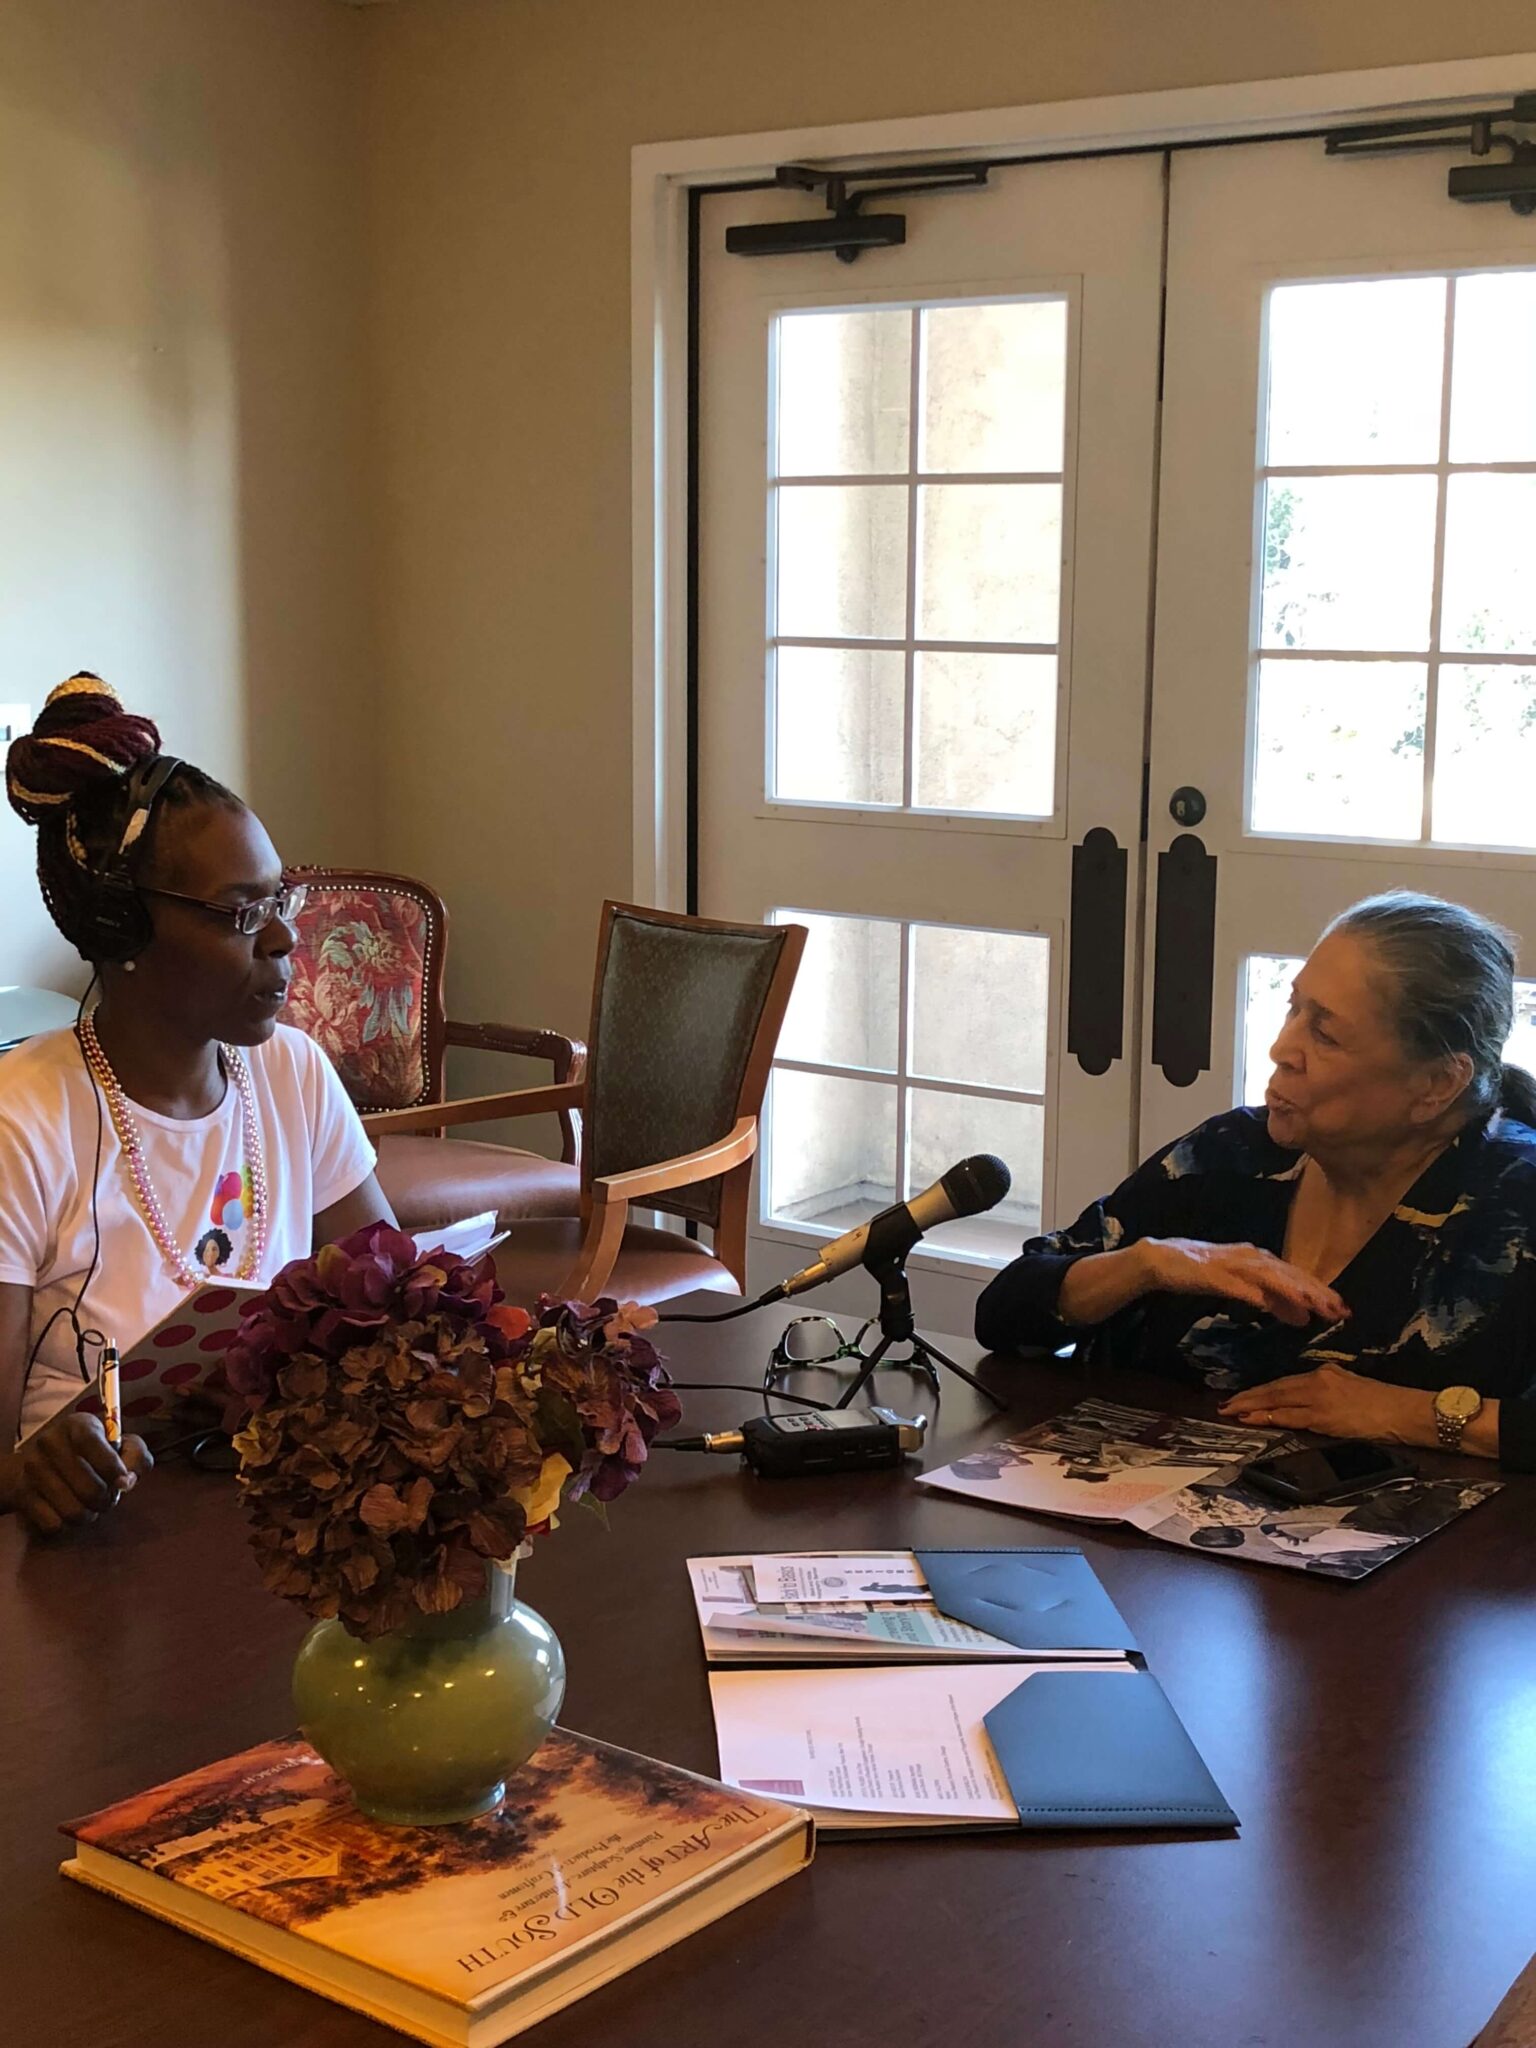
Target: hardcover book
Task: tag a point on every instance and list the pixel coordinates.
(461, 1935)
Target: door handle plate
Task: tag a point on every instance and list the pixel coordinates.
(1184, 961)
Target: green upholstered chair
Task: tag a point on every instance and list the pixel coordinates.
(686, 1013)
(368, 986)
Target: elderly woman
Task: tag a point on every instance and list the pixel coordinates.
(179, 1131)
(1358, 1257)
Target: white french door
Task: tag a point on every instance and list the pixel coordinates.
(926, 490)
(935, 664)
(1345, 650)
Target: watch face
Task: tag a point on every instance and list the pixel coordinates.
(1458, 1401)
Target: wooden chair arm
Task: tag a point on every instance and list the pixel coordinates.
(682, 1172)
(612, 1195)
(475, 1109)
(567, 1056)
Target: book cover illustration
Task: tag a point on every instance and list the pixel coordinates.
(1180, 1479)
(587, 1838)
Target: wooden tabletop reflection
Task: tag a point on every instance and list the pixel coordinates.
(1378, 1741)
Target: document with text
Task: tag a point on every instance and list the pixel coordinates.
(887, 1748)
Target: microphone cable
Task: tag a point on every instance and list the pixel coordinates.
(699, 1443)
(82, 1337)
(729, 1315)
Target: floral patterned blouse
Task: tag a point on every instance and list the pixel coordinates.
(1443, 1295)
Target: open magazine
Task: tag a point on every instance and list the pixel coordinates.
(1181, 1481)
(170, 1371)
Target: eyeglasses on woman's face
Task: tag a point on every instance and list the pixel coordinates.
(249, 919)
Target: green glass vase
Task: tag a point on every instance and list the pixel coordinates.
(426, 1723)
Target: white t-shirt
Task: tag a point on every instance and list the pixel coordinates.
(316, 1152)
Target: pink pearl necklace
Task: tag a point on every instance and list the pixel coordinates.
(121, 1112)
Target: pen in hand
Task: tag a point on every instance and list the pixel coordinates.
(111, 1398)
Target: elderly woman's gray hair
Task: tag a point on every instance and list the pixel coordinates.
(1450, 981)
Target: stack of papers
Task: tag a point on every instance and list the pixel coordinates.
(893, 1747)
(874, 1749)
(871, 1607)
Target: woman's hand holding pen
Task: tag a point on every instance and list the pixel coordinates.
(66, 1473)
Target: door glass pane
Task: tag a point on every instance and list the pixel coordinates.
(845, 1007)
(994, 386)
(990, 562)
(844, 393)
(1520, 1049)
(980, 1007)
(942, 1129)
(842, 566)
(831, 1150)
(1493, 374)
(1339, 749)
(978, 1017)
(1355, 373)
(1348, 562)
(1267, 979)
(1485, 756)
(949, 727)
(837, 725)
(1490, 563)
(986, 733)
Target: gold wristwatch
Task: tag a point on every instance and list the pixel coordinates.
(1455, 1407)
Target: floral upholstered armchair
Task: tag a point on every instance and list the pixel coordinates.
(368, 986)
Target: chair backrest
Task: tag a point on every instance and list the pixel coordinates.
(686, 1013)
(368, 982)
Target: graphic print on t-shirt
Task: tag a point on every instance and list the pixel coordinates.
(228, 1212)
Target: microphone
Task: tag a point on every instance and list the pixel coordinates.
(973, 1185)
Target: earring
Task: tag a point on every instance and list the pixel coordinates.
(130, 966)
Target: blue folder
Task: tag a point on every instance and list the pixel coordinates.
(1079, 1749)
(1036, 1599)
(1102, 1749)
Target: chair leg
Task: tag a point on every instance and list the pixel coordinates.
(730, 1238)
(599, 1249)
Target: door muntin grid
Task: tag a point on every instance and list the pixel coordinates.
(909, 1045)
(916, 572)
(1392, 694)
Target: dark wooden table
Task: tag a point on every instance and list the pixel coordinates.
(1378, 1740)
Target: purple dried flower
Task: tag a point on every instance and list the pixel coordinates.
(398, 1417)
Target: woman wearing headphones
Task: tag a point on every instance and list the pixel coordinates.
(179, 1132)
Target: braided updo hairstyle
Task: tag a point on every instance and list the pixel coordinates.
(69, 777)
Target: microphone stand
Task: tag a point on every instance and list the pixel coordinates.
(898, 1327)
(891, 1236)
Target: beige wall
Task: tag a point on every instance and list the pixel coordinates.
(182, 491)
(501, 132)
(249, 423)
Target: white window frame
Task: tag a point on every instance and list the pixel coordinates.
(904, 1079)
(662, 176)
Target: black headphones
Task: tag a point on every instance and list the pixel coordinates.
(118, 924)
